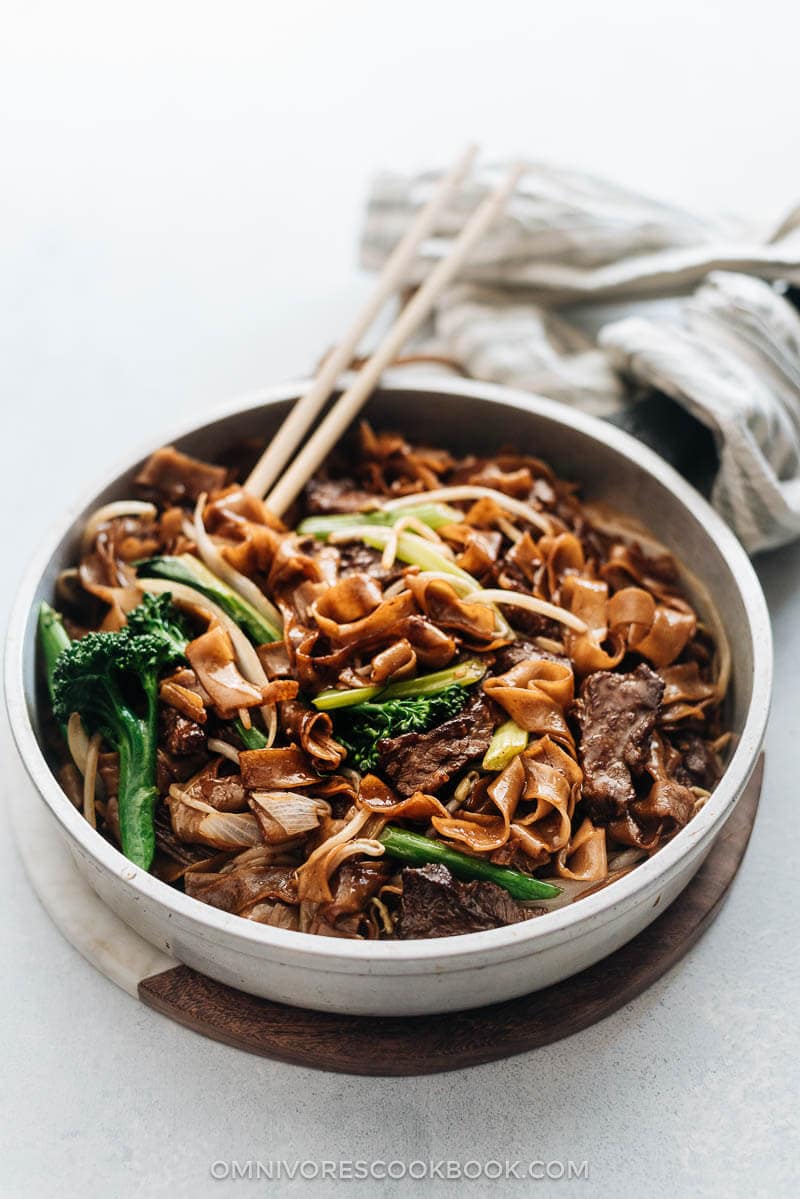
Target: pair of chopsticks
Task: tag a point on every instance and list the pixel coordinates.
(279, 490)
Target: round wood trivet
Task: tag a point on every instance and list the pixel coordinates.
(428, 1044)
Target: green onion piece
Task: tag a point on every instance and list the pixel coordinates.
(419, 851)
(433, 515)
(190, 570)
(344, 697)
(416, 551)
(253, 738)
(508, 741)
(465, 674)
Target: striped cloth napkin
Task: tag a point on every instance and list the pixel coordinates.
(606, 300)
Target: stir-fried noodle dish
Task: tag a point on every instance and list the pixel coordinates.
(445, 696)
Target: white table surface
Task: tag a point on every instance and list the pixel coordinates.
(182, 187)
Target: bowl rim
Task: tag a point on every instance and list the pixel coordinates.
(510, 940)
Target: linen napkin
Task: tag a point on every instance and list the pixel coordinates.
(602, 298)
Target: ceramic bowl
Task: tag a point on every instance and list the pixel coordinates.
(413, 977)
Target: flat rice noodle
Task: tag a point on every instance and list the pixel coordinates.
(536, 694)
(353, 598)
(522, 851)
(354, 614)
(213, 661)
(628, 831)
(185, 701)
(242, 886)
(671, 630)
(314, 731)
(517, 483)
(543, 774)
(253, 554)
(276, 769)
(656, 631)
(112, 581)
(302, 598)
(375, 796)
(318, 670)
(474, 623)
(172, 535)
(234, 506)
(588, 599)
(292, 564)
(479, 548)
(525, 556)
(484, 512)
(397, 661)
(274, 657)
(627, 564)
(201, 824)
(334, 785)
(562, 555)
(433, 647)
(280, 691)
(585, 858)
(686, 695)
(176, 477)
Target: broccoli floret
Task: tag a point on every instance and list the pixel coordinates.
(360, 728)
(111, 679)
(156, 614)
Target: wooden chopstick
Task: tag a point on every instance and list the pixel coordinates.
(408, 321)
(301, 417)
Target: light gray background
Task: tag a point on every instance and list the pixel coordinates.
(180, 198)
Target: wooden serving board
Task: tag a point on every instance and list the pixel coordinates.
(429, 1044)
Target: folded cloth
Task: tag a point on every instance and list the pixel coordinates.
(729, 353)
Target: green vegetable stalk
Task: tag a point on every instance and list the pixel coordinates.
(111, 679)
(53, 640)
(432, 515)
(190, 570)
(508, 741)
(252, 738)
(416, 551)
(420, 851)
(464, 674)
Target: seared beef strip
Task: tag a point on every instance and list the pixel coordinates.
(617, 715)
(434, 904)
(522, 649)
(179, 735)
(699, 766)
(426, 761)
(357, 558)
(323, 496)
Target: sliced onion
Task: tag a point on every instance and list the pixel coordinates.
(224, 748)
(517, 599)
(78, 741)
(90, 779)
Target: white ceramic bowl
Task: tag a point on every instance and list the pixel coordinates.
(412, 977)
